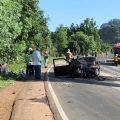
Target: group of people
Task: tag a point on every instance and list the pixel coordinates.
(33, 60)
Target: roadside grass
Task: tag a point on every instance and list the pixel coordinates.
(4, 83)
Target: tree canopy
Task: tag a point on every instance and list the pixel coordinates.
(22, 24)
(81, 39)
(110, 32)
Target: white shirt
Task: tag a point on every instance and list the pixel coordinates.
(36, 57)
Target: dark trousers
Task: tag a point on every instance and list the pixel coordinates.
(37, 69)
(29, 70)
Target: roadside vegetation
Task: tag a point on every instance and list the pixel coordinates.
(23, 25)
(12, 75)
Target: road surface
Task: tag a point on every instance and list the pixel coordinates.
(87, 99)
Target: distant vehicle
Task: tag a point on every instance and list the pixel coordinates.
(81, 67)
(116, 50)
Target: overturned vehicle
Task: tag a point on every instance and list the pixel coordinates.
(86, 67)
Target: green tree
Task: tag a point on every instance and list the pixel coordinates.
(33, 22)
(80, 43)
(105, 47)
(92, 44)
(10, 28)
(22, 24)
(89, 28)
(110, 32)
(61, 40)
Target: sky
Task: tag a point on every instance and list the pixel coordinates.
(67, 12)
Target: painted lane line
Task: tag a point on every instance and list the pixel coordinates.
(57, 103)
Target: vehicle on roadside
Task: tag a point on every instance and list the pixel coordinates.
(116, 50)
(80, 67)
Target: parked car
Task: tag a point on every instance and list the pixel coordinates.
(79, 67)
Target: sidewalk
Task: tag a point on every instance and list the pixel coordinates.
(32, 103)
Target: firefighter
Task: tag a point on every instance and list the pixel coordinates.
(69, 56)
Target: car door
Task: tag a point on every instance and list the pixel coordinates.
(61, 67)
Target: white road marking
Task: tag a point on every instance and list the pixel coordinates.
(57, 103)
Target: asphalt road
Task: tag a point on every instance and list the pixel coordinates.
(88, 99)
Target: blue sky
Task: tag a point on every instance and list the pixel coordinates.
(76, 11)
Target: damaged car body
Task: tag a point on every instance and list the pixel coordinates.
(80, 67)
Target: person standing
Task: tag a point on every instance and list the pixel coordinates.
(36, 56)
(69, 56)
(46, 55)
(29, 63)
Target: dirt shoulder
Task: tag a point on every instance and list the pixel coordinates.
(32, 103)
(27, 99)
(7, 97)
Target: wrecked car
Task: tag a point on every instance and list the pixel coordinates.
(80, 67)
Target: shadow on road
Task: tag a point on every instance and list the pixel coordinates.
(102, 80)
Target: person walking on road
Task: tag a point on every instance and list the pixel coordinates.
(46, 55)
(36, 56)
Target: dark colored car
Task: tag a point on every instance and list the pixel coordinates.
(80, 67)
